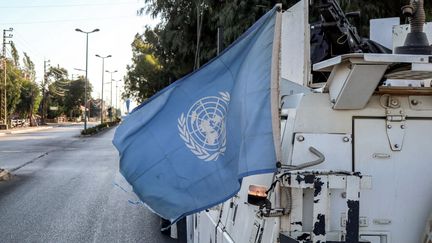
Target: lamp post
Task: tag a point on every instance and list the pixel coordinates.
(86, 71)
(111, 80)
(116, 97)
(79, 70)
(103, 72)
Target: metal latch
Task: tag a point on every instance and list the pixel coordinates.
(395, 125)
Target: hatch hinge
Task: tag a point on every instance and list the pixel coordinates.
(395, 126)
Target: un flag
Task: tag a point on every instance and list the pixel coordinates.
(187, 148)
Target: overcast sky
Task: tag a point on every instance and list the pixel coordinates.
(45, 29)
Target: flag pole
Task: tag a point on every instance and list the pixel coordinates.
(275, 100)
(275, 78)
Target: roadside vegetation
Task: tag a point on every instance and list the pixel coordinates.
(99, 128)
(184, 40)
(58, 97)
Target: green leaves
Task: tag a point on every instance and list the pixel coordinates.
(74, 97)
(23, 94)
(29, 98)
(168, 51)
(15, 81)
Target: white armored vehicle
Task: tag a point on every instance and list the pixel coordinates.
(356, 149)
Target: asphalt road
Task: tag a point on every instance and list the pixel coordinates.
(66, 191)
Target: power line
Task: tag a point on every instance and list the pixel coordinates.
(67, 5)
(66, 20)
(32, 52)
(26, 46)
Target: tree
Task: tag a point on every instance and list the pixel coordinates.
(66, 95)
(30, 96)
(74, 98)
(14, 81)
(29, 99)
(184, 39)
(15, 55)
(23, 95)
(57, 84)
(29, 68)
(186, 36)
(145, 76)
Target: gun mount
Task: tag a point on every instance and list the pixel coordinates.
(334, 35)
(343, 36)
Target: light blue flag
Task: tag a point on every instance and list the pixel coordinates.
(188, 147)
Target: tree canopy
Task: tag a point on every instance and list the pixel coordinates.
(187, 35)
(15, 81)
(24, 93)
(66, 94)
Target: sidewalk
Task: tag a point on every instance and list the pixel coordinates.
(18, 130)
(24, 130)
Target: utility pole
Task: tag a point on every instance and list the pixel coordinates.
(3, 90)
(44, 82)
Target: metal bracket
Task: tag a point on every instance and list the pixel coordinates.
(316, 152)
(395, 124)
(322, 182)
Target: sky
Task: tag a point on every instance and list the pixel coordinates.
(45, 30)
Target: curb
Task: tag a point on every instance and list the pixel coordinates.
(5, 175)
(8, 132)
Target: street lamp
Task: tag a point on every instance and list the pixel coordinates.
(116, 92)
(116, 97)
(86, 70)
(111, 80)
(78, 75)
(111, 72)
(103, 70)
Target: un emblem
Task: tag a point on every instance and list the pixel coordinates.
(203, 127)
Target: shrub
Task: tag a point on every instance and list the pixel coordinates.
(96, 129)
